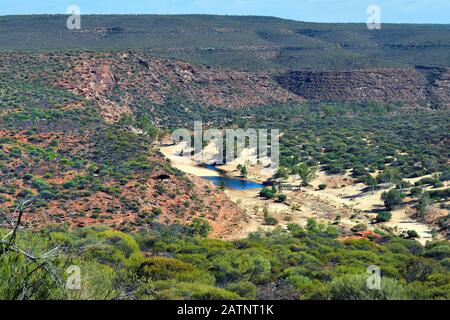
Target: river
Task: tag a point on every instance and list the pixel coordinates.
(222, 180)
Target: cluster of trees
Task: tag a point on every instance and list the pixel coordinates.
(306, 173)
(409, 143)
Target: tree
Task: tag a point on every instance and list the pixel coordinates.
(392, 198)
(282, 173)
(424, 204)
(402, 184)
(390, 175)
(370, 182)
(416, 191)
(244, 171)
(305, 172)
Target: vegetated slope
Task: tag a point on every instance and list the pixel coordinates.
(123, 81)
(56, 148)
(169, 264)
(415, 86)
(173, 93)
(239, 42)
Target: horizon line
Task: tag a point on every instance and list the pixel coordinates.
(215, 15)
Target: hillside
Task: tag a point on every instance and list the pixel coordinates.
(62, 149)
(87, 180)
(414, 86)
(253, 43)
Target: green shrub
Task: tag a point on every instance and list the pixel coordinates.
(200, 227)
(271, 221)
(416, 191)
(384, 216)
(171, 290)
(392, 198)
(244, 289)
(282, 198)
(267, 193)
(47, 195)
(359, 227)
(161, 268)
(40, 184)
(354, 287)
(156, 211)
(28, 177)
(25, 193)
(412, 234)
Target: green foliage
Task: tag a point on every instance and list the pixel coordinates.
(354, 287)
(171, 290)
(424, 204)
(40, 184)
(269, 220)
(244, 289)
(161, 268)
(412, 234)
(282, 198)
(200, 227)
(304, 265)
(416, 191)
(305, 172)
(384, 216)
(359, 227)
(243, 170)
(299, 45)
(267, 193)
(392, 198)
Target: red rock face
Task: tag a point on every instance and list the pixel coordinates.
(97, 76)
(104, 80)
(413, 86)
(136, 76)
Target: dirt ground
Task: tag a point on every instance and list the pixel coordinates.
(343, 197)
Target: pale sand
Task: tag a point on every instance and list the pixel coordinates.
(258, 171)
(185, 164)
(365, 202)
(345, 199)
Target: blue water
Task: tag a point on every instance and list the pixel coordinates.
(234, 184)
(231, 183)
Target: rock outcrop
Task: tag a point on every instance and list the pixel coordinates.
(118, 78)
(418, 86)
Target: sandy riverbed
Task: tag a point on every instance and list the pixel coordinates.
(343, 198)
(185, 164)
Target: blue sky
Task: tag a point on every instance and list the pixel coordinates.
(408, 11)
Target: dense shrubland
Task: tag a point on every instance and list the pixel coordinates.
(55, 148)
(237, 42)
(168, 263)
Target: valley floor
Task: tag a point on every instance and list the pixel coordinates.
(343, 197)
